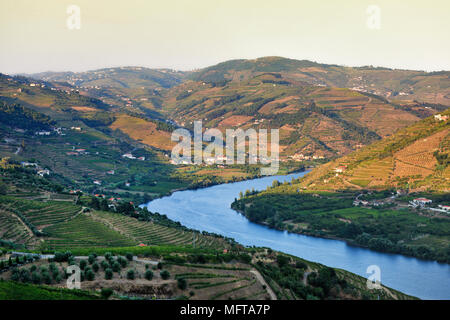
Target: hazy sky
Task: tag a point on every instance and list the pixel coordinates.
(189, 34)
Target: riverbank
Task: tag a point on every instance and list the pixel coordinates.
(333, 216)
(208, 209)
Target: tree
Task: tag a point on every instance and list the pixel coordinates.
(108, 256)
(131, 274)
(91, 259)
(83, 264)
(105, 264)
(165, 274)
(104, 205)
(129, 256)
(35, 278)
(3, 189)
(90, 275)
(123, 262)
(126, 208)
(108, 274)
(182, 283)
(116, 266)
(106, 293)
(148, 275)
(95, 204)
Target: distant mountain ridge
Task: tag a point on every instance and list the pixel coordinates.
(322, 110)
(402, 85)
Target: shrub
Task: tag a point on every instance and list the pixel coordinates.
(95, 267)
(90, 275)
(106, 293)
(35, 278)
(62, 256)
(108, 256)
(116, 266)
(91, 259)
(108, 274)
(123, 262)
(130, 274)
(105, 265)
(129, 256)
(149, 275)
(182, 283)
(165, 274)
(301, 265)
(83, 264)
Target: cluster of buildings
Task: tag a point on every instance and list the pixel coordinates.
(420, 202)
(365, 203)
(39, 170)
(340, 169)
(440, 117)
(301, 157)
(58, 131)
(77, 152)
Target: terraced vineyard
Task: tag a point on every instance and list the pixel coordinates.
(406, 159)
(12, 229)
(83, 231)
(42, 214)
(153, 234)
(372, 173)
(65, 227)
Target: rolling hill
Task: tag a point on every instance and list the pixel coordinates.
(394, 84)
(322, 110)
(414, 158)
(313, 120)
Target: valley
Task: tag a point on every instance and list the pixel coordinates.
(83, 153)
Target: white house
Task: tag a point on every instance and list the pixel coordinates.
(43, 172)
(128, 156)
(440, 117)
(422, 201)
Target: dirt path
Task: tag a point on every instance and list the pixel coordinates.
(263, 282)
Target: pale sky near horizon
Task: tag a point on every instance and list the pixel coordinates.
(185, 35)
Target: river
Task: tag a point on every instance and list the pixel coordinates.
(208, 209)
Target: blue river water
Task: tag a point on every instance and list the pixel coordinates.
(208, 209)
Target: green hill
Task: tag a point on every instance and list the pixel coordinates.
(313, 120)
(393, 84)
(414, 158)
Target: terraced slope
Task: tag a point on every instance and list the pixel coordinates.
(84, 232)
(14, 230)
(65, 226)
(414, 158)
(153, 234)
(42, 214)
(312, 120)
(394, 84)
